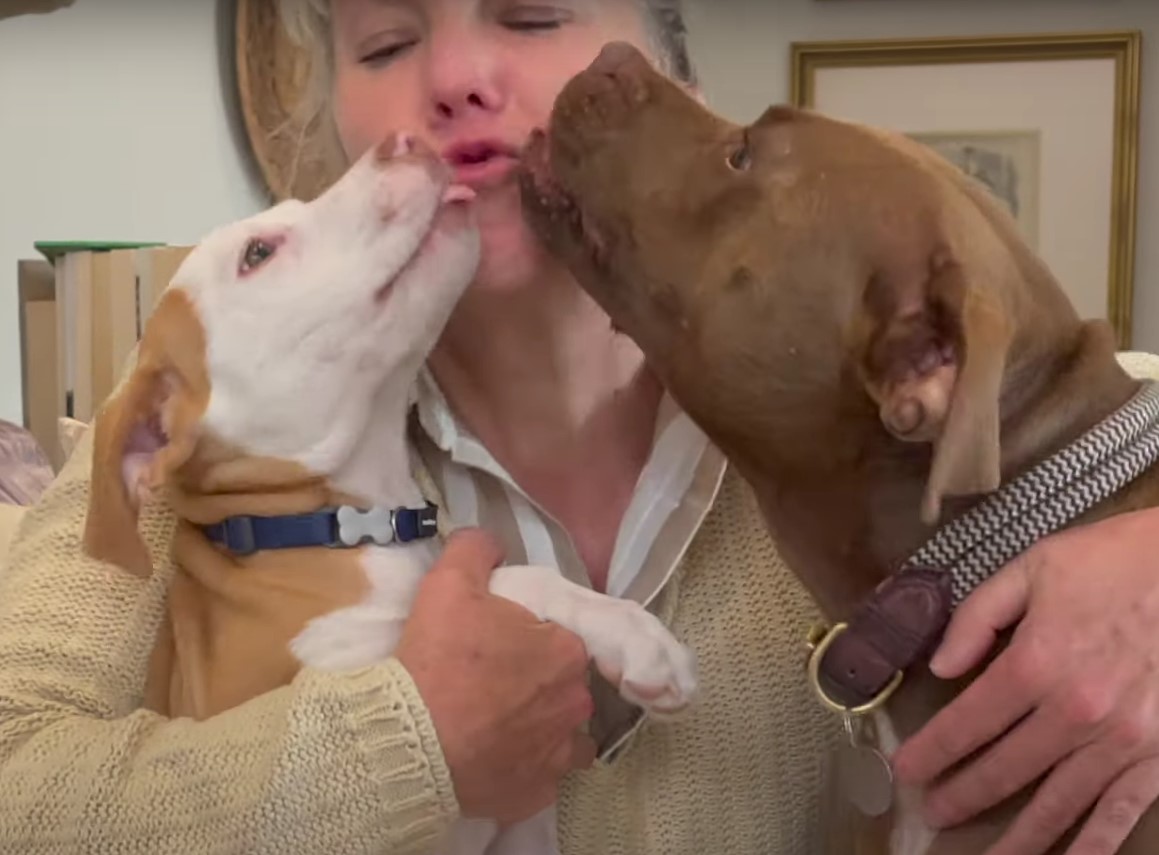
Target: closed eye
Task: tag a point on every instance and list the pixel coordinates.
(385, 54)
(535, 18)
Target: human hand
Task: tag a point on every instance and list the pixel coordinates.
(1078, 690)
(507, 693)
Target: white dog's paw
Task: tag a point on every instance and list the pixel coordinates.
(349, 638)
(630, 646)
(641, 657)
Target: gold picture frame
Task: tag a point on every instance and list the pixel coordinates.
(983, 69)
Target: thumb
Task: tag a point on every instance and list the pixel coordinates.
(992, 607)
(472, 554)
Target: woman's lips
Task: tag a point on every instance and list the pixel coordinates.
(481, 163)
(479, 175)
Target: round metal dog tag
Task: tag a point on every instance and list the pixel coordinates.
(866, 778)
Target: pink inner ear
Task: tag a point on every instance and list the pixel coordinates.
(144, 441)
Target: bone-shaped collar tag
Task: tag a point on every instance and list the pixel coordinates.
(337, 527)
(356, 526)
(382, 526)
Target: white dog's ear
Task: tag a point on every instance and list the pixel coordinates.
(144, 432)
(933, 358)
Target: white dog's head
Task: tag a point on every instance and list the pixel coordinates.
(278, 331)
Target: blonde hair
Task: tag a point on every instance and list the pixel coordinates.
(307, 22)
(313, 154)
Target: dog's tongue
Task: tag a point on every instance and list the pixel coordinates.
(458, 193)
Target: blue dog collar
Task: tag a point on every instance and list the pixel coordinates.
(339, 528)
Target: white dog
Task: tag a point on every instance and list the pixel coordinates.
(271, 398)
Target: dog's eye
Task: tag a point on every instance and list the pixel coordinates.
(257, 253)
(741, 158)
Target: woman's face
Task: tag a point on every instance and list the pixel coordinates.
(473, 78)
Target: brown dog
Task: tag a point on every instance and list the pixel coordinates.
(857, 325)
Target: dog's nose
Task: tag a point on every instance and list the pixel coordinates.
(403, 144)
(616, 57)
(619, 78)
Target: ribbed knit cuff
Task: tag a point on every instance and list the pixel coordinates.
(403, 755)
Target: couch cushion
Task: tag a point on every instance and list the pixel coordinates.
(25, 471)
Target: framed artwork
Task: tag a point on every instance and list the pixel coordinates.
(1006, 161)
(1049, 123)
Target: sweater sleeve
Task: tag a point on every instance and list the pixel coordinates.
(1139, 364)
(331, 763)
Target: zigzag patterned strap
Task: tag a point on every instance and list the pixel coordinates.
(907, 614)
(1063, 487)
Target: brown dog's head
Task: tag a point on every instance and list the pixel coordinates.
(791, 278)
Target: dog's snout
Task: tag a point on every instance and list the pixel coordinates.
(407, 149)
(391, 147)
(402, 146)
(615, 83)
(616, 57)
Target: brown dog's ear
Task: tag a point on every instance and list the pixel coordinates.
(933, 358)
(141, 435)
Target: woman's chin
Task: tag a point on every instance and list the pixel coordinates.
(512, 257)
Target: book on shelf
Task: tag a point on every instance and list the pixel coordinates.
(82, 310)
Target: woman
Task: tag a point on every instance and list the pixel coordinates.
(541, 426)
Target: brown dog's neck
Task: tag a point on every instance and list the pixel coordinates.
(1048, 402)
(844, 527)
(842, 534)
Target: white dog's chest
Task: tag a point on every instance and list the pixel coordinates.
(911, 835)
(363, 634)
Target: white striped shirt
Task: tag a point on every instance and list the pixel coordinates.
(671, 498)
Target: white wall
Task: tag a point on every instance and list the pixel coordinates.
(113, 126)
(115, 116)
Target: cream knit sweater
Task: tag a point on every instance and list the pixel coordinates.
(350, 763)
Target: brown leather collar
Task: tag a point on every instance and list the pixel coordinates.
(856, 666)
(895, 627)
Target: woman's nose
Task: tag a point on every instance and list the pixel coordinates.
(464, 73)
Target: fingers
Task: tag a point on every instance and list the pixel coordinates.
(1057, 805)
(578, 751)
(1004, 693)
(473, 553)
(1119, 810)
(1069, 792)
(993, 606)
(570, 652)
(583, 751)
(1019, 758)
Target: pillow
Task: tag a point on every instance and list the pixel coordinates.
(25, 471)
